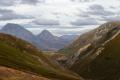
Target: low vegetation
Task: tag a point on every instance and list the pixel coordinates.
(18, 54)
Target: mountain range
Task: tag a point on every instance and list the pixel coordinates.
(95, 55)
(45, 40)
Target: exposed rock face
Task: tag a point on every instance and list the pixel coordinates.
(95, 59)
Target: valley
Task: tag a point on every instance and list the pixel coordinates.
(92, 56)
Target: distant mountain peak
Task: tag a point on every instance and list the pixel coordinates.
(46, 32)
(18, 31)
(12, 25)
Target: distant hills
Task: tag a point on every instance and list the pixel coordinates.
(45, 40)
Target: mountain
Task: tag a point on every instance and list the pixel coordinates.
(98, 56)
(45, 40)
(95, 55)
(51, 42)
(69, 38)
(20, 55)
(87, 38)
(46, 35)
(18, 31)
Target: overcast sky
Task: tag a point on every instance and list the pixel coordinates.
(59, 16)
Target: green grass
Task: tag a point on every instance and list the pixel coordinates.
(15, 53)
(88, 64)
(106, 66)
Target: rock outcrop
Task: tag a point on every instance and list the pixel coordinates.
(98, 58)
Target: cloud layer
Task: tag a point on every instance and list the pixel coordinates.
(6, 14)
(59, 13)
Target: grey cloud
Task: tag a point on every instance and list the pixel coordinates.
(6, 14)
(30, 1)
(46, 22)
(14, 2)
(7, 2)
(99, 10)
(96, 7)
(100, 13)
(86, 0)
(82, 0)
(94, 12)
(88, 21)
(84, 15)
(111, 18)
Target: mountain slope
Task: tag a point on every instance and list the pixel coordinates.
(69, 38)
(21, 55)
(104, 63)
(18, 31)
(99, 58)
(88, 38)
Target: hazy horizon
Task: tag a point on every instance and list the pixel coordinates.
(56, 30)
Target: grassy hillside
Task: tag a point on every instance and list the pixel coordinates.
(105, 66)
(18, 54)
(103, 63)
(87, 38)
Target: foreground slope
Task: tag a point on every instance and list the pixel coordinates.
(12, 74)
(103, 63)
(99, 59)
(18, 54)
